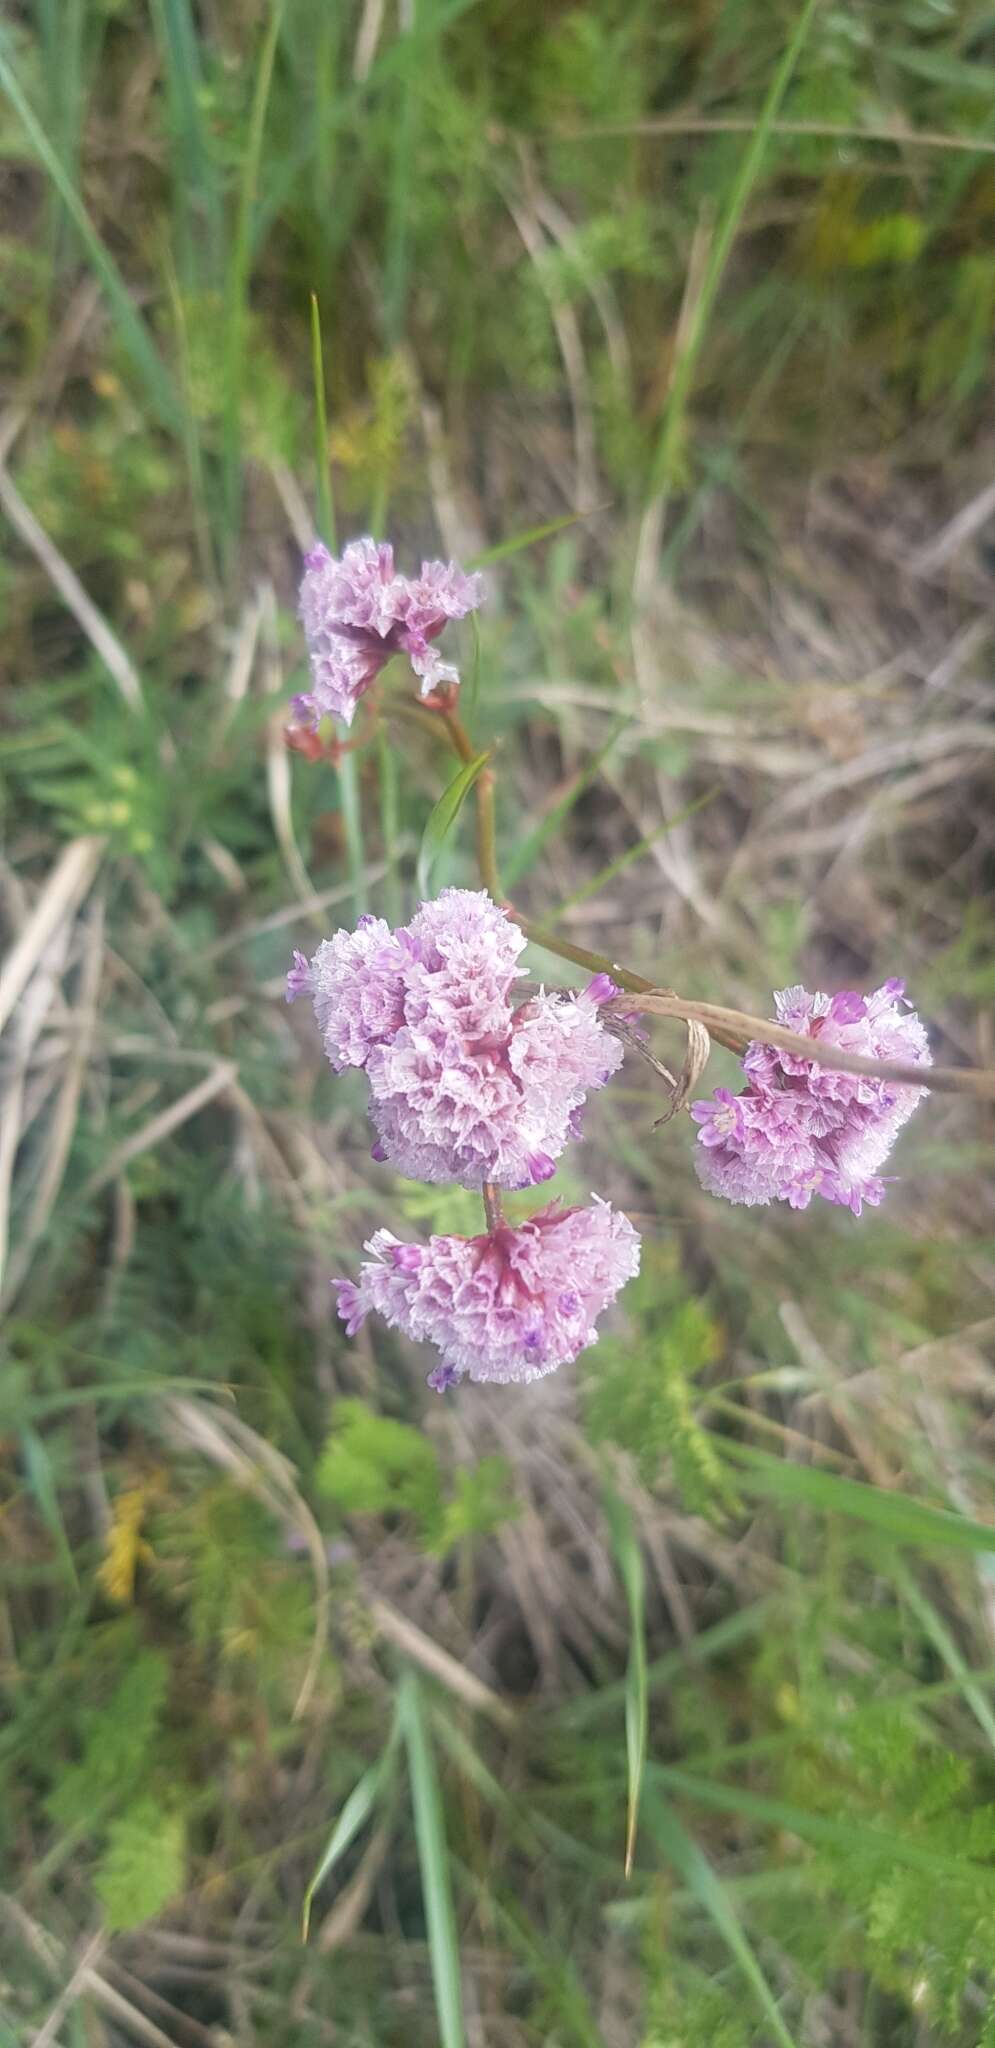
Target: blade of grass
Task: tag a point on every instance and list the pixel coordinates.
(433, 1860)
(847, 1835)
(323, 467)
(442, 818)
(565, 1998)
(390, 824)
(668, 446)
(38, 1467)
(365, 1796)
(347, 769)
(896, 1516)
(238, 279)
(693, 1867)
(531, 846)
(630, 1563)
(629, 857)
(943, 1642)
(724, 1635)
(134, 336)
(198, 187)
(529, 539)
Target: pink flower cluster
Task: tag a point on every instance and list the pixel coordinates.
(799, 1129)
(468, 1086)
(464, 1085)
(508, 1306)
(357, 613)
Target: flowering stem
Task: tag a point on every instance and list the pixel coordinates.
(734, 1029)
(492, 1205)
(483, 789)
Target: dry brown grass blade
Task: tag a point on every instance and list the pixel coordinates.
(736, 1029)
(66, 886)
(238, 1449)
(161, 1126)
(105, 644)
(48, 2032)
(63, 1124)
(406, 1636)
(699, 1046)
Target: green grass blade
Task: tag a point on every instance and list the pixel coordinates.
(943, 1642)
(723, 1635)
(629, 857)
(630, 1564)
(433, 1860)
(529, 539)
(693, 1867)
(238, 281)
(894, 1515)
(821, 1830)
(348, 768)
(199, 189)
(134, 336)
(365, 1796)
(672, 426)
(531, 846)
(352, 820)
(390, 824)
(442, 818)
(41, 1479)
(323, 469)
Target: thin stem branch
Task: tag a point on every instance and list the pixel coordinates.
(735, 1029)
(483, 789)
(492, 1205)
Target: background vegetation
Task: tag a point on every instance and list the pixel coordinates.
(720, 279)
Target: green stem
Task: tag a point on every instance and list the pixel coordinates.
(483, 790)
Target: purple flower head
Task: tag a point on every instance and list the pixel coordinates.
(357, 613)
(798, 1129)
(509, 1306)
(464, 1086)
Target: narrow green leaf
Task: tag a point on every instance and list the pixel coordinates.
(442, 818)
(895, 1515)
(632, 854)
(691, 1864)
(364, 1797)
(527, 853)
(239, 270)
(630, 1563)
(712, 1642)
(199, 188)
(529, 539)
(41, 1479)
(134, 335)
(847, 1835)
(943, 1642)
(433, 1859)
(686, 364)
(323, 472)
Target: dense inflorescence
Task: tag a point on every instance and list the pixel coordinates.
(799, 1129)
(509, 1305)
(357, 612)
(465, 1084)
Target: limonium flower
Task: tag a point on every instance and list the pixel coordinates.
(799, 1129)
(464, 1085)
(357, 613)
(508, 1306)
